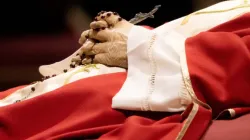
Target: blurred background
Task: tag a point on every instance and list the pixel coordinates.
(37, 32)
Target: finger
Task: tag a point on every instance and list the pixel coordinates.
(106, 59)
(101, 58)
(76, 59)
(101, 47)
(87, 60)
(98, 17)
(98, 24)
(84, 37)
(101, 35)
(112, 18)
(87, 46)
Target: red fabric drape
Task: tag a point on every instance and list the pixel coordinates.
(219, 64)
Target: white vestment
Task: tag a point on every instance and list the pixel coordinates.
(154, 81)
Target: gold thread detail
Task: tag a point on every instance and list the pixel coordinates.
(188, 121)
(187, 81)
(187, 18)
(83, 69)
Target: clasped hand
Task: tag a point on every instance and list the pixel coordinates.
(106, 41)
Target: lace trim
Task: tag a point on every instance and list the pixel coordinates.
(187, 18)
(187, 80)
(153, 67)
(188, 121)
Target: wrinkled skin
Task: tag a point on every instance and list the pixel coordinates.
(106, 40)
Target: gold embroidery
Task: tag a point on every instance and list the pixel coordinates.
(195, 100)
(188, 121)
(83, 69)
(244, 5)
(187, 81)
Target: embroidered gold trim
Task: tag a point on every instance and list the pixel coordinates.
(187, 18)
(153, 66)
(188, 121)
(83, 69)
(187, 81)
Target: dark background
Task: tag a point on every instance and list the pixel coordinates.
(36, 32)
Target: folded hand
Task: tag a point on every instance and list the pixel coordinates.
(106, 41)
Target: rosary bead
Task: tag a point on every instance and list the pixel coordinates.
(103, 28)
(47, 77)
(119, 19)
(108, 14)
(72, 66)
(102, 17)
(65, 70)
(82, 56)
(18, 101)
(33, 89)
(115, 13)
(53, 75)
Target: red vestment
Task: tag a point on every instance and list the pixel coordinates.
(218, 63)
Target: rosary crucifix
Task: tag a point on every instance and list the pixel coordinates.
(143, 16)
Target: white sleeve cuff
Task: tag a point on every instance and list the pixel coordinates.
(154, 79)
